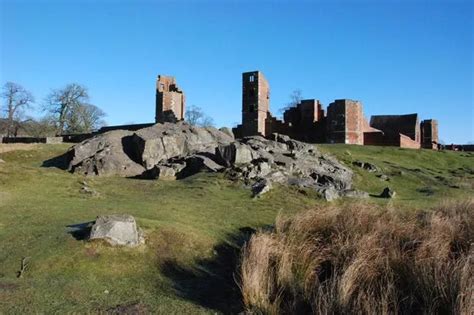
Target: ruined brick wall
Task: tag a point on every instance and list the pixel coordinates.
(170, 100)
(255, 104)
(344, 122)
(305, 122)
(395, 124)
(274, 125)
(305, 113)
(375, 138)
(429, 133)
(310, 110)
(407, 142)
(397, 140)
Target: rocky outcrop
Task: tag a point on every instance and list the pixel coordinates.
(260, 162)
(179, 150)
(128, 153)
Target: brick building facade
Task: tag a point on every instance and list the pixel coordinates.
(344, 123)
(170, 100)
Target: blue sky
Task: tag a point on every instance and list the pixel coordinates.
(395, 56)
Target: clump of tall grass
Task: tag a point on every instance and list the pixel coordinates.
(362, 259)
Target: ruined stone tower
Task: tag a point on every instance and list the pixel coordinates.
(345, 122)
(255, 103)
(429, 133)
(170, 100)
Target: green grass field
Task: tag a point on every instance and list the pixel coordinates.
(194, 228)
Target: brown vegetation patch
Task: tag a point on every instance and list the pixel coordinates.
(91, 252)
(6, 147)
(8, 286)
(364, 260)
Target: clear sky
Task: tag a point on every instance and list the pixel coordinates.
(395, 56)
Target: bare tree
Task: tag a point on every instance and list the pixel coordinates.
(85, 118)
(295, 98)
(17, 99)
(195, 116)
(62, 104)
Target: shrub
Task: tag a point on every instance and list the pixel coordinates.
(363, 259)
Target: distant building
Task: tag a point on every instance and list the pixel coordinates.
(344, 123)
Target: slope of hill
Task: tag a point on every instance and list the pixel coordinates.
(419, 177)
(194, 228)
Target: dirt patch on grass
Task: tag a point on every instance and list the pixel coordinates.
(8, 286)
(7, 147)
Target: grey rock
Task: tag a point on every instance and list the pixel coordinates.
(117, 230)
(353, 193)
(227, 131)
(329, 193)
(365, 165)
(166, 172)
(388, 193)
(234, 153)
(104, 155)
(127, 153)
(261, 187)
(263, 168)
(89, 191)
(383, 177)
(197, 163)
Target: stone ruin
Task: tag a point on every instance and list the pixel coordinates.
(170, 100)
(260, 152)
(344, 122)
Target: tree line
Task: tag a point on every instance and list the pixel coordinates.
(67, 110)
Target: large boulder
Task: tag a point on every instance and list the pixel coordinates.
(105, 154)
(117, 230)
(127, 153)
(234, 153)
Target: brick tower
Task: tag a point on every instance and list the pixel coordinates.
(170, 100)
(345, 122)
(429, 134)
(255, 103)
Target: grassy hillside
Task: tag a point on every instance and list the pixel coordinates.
(194, 228)
(419, 177)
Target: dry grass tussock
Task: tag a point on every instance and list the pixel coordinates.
(360, 259)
